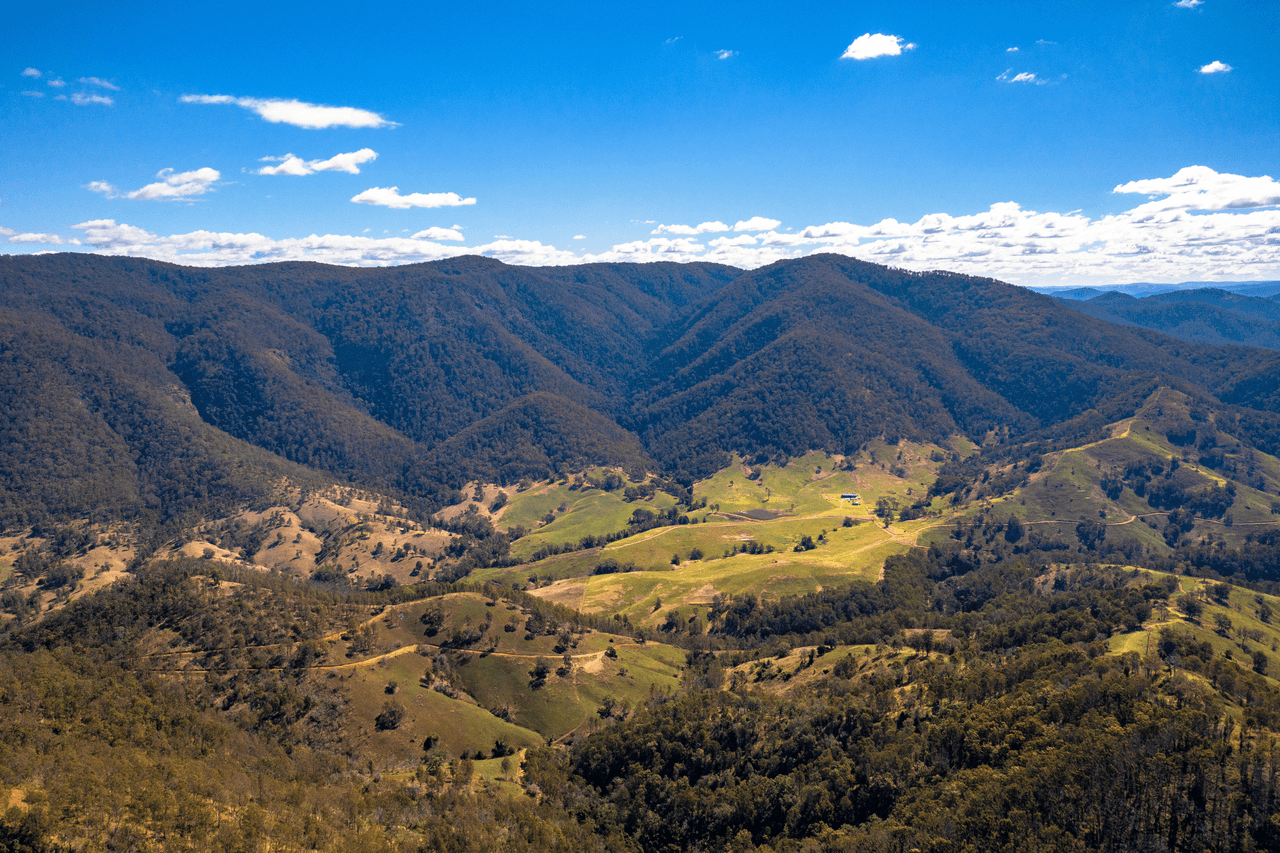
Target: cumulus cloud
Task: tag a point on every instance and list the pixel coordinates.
(579, 236)
(390, 197)
(1010, 50)
(1215, 67)
(31, 72)
(1202, 225)
(437, 233)
(297, 113)
(291, 165)
(1188, 4)
(85, 98)
(46, 239)
(57, 82)
(172, 185)
(872, 45)
(212, 248)
(1201, 188)
(725, 54)
(755, 223)
(98, 81)
(705, 228)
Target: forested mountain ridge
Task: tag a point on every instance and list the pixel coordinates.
(1203, 315)
(375, 375)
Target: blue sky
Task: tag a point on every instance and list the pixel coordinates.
(1072, 143)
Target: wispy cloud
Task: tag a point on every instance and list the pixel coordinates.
(172, 185)
(1188, 4)
(297, 113)
(725, 54)
(57, 82)
(31, 94)
(98, 81)
(86, 98)
(1021, 77)
(390, 197)
(31, 72)
(673, 40)
(1215, 67)
(872, 45)
(1010, 50)
(291, 165)
(1044, 42)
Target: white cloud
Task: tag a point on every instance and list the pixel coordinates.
(48, 239)
(297, 113)
(756, 223)
(1188, 4)
(83, 98)
(98, 81)
(1010, 50)
(31, 94)
(291, 165)
(1021, 77)
(871, 45)
(1215, 67)
(704, 228)
(210, 248)
(57, 82)
(390, 197)
(673, 40)
(744, 240)
(1204, 225)
(437, 233)
(1044, 42)
(172, 185)
(725, 54)
(1201, 188)
(579, 236)
(31, 72)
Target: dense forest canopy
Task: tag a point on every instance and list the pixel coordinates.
(412, 378)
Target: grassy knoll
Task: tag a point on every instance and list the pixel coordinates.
(586, 512)
(1071, 485)
(565, 702)
(460, 725)
(1237, 626)
(494, 695)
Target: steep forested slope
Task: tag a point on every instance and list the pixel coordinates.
(1205, 315)
(414, 376)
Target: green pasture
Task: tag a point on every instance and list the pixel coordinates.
(850, 554)
(588, 513)
(460, 725)
(565, 703)
(1243, 607)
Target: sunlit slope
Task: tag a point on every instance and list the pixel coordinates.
(1171, 473)
(766, 529)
